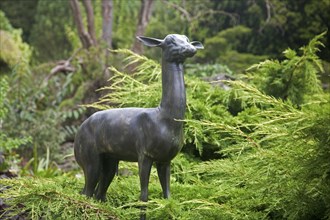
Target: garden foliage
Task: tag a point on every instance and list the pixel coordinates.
(7, 143)
(272, 151)
(295, 78)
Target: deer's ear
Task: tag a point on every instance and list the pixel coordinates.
(149, 41)
(197, 44)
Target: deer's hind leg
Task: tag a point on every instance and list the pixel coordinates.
(109, 168)
(92, 175)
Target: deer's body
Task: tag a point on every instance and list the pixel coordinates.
(125, 134)
(143, 135)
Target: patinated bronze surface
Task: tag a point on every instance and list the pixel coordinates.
(143, 135)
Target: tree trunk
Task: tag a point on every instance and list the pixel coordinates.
(84, 36)
(107, 16)
(144, 18)
(90, 20)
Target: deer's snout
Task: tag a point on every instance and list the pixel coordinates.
(189, 51)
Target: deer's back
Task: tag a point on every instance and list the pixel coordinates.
(126, 133)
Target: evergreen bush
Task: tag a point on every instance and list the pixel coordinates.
(296, 78)
(273, 163)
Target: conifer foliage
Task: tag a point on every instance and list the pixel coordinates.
(272, 148)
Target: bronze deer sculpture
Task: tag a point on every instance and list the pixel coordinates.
(143, 135)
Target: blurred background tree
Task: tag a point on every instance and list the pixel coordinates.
(269, 26)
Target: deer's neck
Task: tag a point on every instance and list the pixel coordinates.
(173, 103)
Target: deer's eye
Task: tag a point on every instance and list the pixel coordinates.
(174, 42)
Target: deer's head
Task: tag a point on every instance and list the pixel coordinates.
(176, 48)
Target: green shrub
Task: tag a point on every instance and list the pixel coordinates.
(8, 144)
(207, 70)
(296, 78)
(15, 54)
(276, 163)
(225, 48)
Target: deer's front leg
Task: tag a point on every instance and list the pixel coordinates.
(144, 173)
(164, 172)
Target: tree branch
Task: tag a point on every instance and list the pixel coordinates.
(90, 20)
(268, 7)
(83, 35)
(233, 16)
(144, 18)
(63, 66)
(107, 15)
(180, 9)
